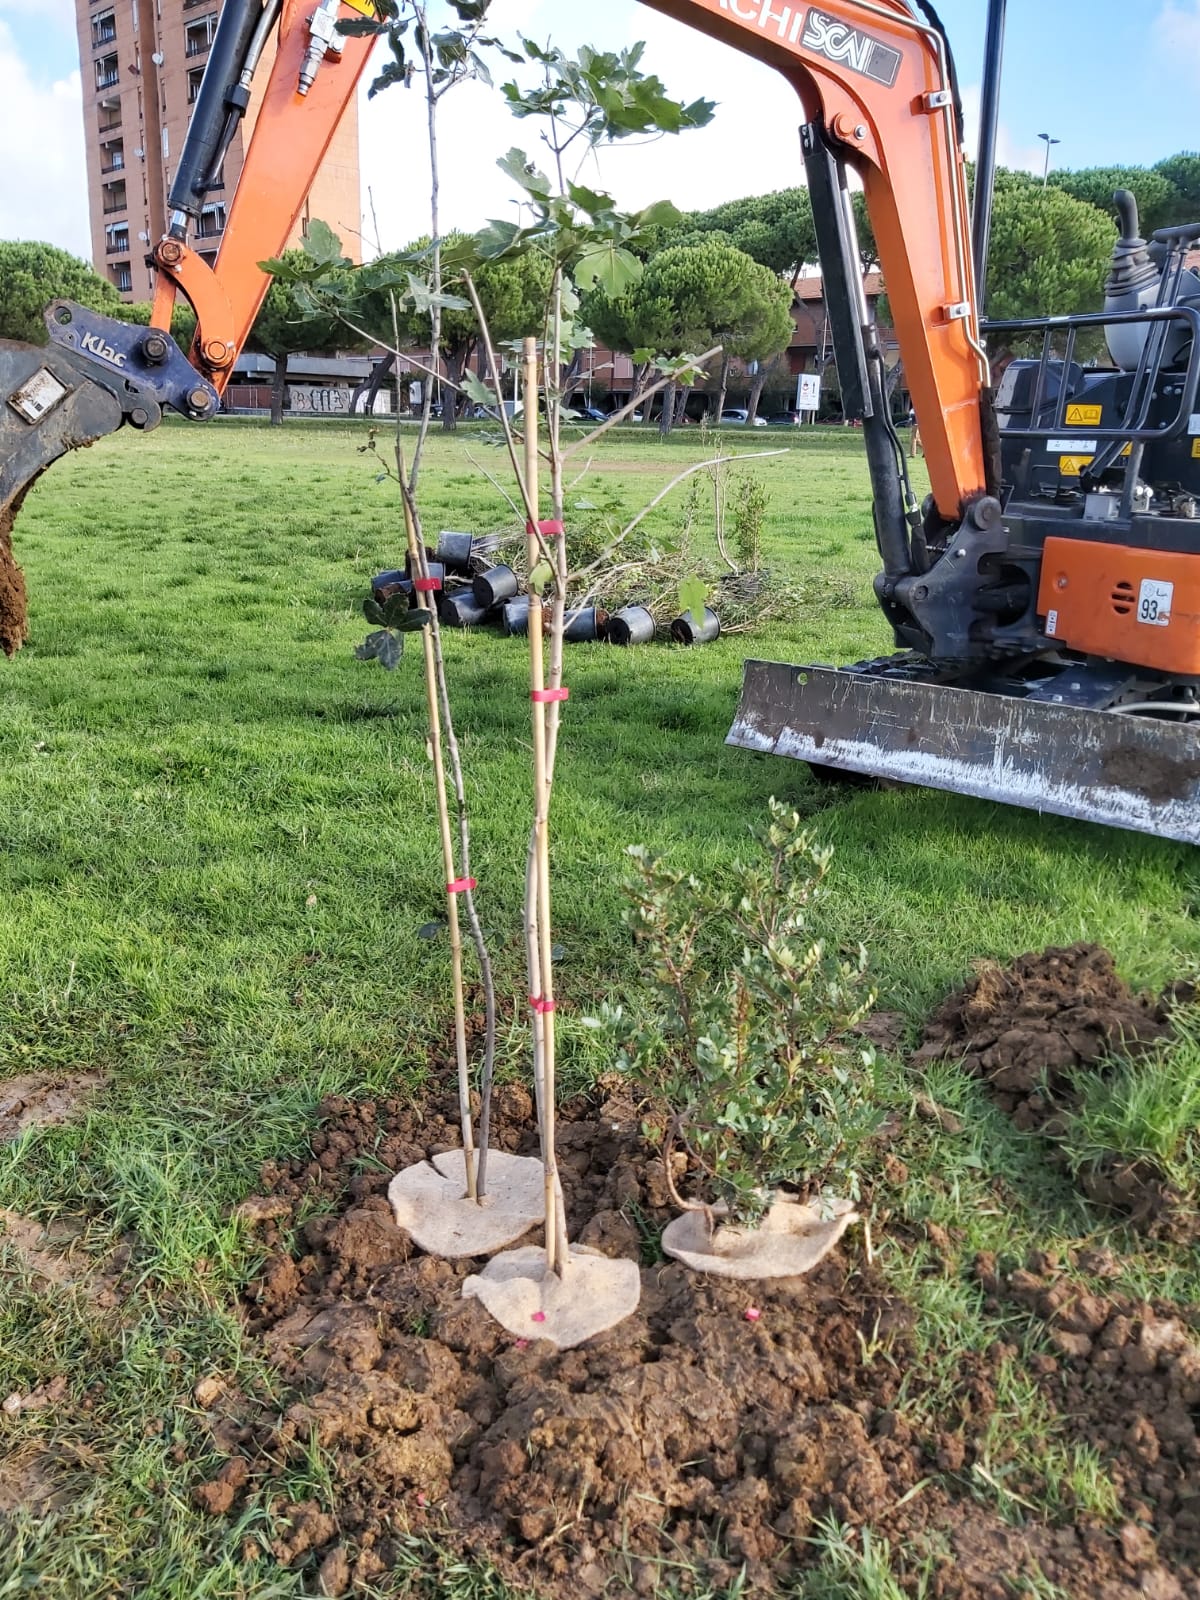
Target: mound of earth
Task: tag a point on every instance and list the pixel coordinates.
(692, 1438)
(1126, 1379)
(1039, 1020)
(1031, 1028)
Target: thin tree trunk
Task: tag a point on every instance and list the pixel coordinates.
(666, 420)
(723, 390)
(681, 405)
(756, 391)
(278, 391)
(456, 361)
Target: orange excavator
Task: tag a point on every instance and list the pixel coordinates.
(1045, 597)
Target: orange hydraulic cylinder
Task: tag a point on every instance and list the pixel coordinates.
(1139, 606)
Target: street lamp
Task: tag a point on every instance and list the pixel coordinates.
(1049, 142)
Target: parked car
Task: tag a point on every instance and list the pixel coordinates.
(783, 419)
(739, 417)
(512, 409)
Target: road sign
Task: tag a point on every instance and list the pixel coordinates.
(808, 392)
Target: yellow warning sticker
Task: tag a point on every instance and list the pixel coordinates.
(1072, 466)
(1084, 416)
(1196, 449)
(365, 8)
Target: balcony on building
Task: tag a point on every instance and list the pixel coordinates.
(116, 239)
(108, 71)
(198, 35)
(122, 276)
(110, 113)
(112, 156)
(212, 222)
(104, 28)
(114, 198)
(195, 78)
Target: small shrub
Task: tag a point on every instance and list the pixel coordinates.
(750, 508)
(751, 1051)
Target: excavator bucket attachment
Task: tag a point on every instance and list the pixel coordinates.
(59, 397)
(1134, 772)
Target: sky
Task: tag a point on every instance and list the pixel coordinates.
(1115, 82)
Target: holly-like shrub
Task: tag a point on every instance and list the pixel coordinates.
(753, 1053)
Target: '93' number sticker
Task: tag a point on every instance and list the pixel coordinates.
(1154, 603)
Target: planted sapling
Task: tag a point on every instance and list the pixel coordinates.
(750, 1045)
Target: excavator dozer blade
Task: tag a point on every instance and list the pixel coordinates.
(1124, 771)
(48, 405)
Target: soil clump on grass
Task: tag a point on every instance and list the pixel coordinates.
(1032, 1029)
(691, 1442)
(42, 1100)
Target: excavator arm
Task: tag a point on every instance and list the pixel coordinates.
(877, 90)
(97, 373)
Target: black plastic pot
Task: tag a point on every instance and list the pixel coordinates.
(584, 624)
(436, 571)
(385, 584)
(454, 552)
(458, 610)
(632, 625)
(495, 585)
(408, 560)
(685, 631)
(515, 616)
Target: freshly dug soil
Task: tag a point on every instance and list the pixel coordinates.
(1031, 1028)
(692, 1435)
(1127, 1380)
(13, 614)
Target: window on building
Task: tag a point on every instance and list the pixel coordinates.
(116, 239)
(122, 276)
(198, 35)
(212, 221)
(107, 71)
(112, 156)
(114, 197)
(104, 28)
(195, 78)
(110, 114)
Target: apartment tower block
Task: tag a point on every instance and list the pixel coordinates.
(141, 63)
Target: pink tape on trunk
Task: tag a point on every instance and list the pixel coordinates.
(548, 530)
(427, 585)
(541, 1006)
(460, 885)
(546, 697)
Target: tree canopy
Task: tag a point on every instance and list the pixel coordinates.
(513, 290)
(1167, 193)
(33, 274)
(289, 323)
(776, 230)
(692, 297)
(1049, 252)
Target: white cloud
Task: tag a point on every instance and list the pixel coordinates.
(1177, 33)
(44, 192)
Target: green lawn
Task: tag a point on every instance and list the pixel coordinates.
(218, 851)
